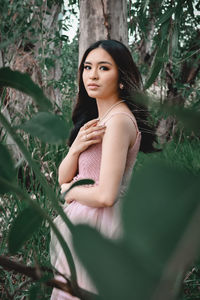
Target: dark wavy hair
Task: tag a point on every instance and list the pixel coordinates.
(86, 108)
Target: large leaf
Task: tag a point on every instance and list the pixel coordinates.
(46, 126)
(24, 83)
(157, 210)
(117, 274)
(27, 222)
(7, 170)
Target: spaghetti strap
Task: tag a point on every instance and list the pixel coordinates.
(124, 113)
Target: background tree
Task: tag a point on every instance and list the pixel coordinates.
(102, 19)
(164, 39)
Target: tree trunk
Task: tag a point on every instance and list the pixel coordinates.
(102, 19)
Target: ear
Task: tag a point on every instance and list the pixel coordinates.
(121, 86)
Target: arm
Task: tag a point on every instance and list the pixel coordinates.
(68, 167)
(88, 135)
(117, 139)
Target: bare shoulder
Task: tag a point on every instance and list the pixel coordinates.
(122, 123)
(122, 119)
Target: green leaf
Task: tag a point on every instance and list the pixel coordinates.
(23, 227)
(77, 183)
(158, 207)
(82, 182)
(157, 65)
(34, 291)
(175, 38)
(115, 272)
(145, 5)
(179, 10)
(46, 126)
(165, 16)
(190, 8)
(23, 83)
(188, 118)
(7, 170)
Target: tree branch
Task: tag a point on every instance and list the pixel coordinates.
(33, 273)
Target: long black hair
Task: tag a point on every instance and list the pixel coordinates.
(129, 75)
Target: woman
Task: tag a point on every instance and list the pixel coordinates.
(103, 144)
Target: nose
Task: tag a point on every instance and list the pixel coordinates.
(93, 73)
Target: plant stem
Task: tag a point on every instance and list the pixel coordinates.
(49, 192)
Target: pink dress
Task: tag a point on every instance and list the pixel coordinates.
(106, 220)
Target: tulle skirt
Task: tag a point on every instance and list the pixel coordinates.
(106, 220)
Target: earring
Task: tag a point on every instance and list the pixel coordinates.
(121, 86)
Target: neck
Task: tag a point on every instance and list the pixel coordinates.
(104, 104)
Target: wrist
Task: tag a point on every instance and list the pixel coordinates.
(74, 153)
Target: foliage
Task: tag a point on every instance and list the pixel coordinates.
(69, 70)
(165, 36)
(7, 185)
(162, 210)
(155, 223)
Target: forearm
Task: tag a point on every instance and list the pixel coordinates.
(68, 167)
(91, 196)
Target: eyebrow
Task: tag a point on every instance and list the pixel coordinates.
(99, 63)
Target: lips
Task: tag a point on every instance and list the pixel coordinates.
(93, 85)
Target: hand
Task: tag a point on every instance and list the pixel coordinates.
(65, 187)
(89, 134)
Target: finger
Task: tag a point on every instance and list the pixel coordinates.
(93, 141)
(70, 200)
(95, 128)
(90, 123)
(94, 134)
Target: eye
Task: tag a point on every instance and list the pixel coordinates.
(86, 67)
(104, 68)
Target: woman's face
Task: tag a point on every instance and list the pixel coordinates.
(100, 75)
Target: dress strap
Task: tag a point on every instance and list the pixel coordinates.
(124, 113)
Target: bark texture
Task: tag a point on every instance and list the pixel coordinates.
(102, 19)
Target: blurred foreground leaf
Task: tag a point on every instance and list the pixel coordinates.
(23, 83)
(46, 126)
(158, 209)
(116, 273)
(27, 222)
(166, 197)
(7, 170)
(189, 118)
